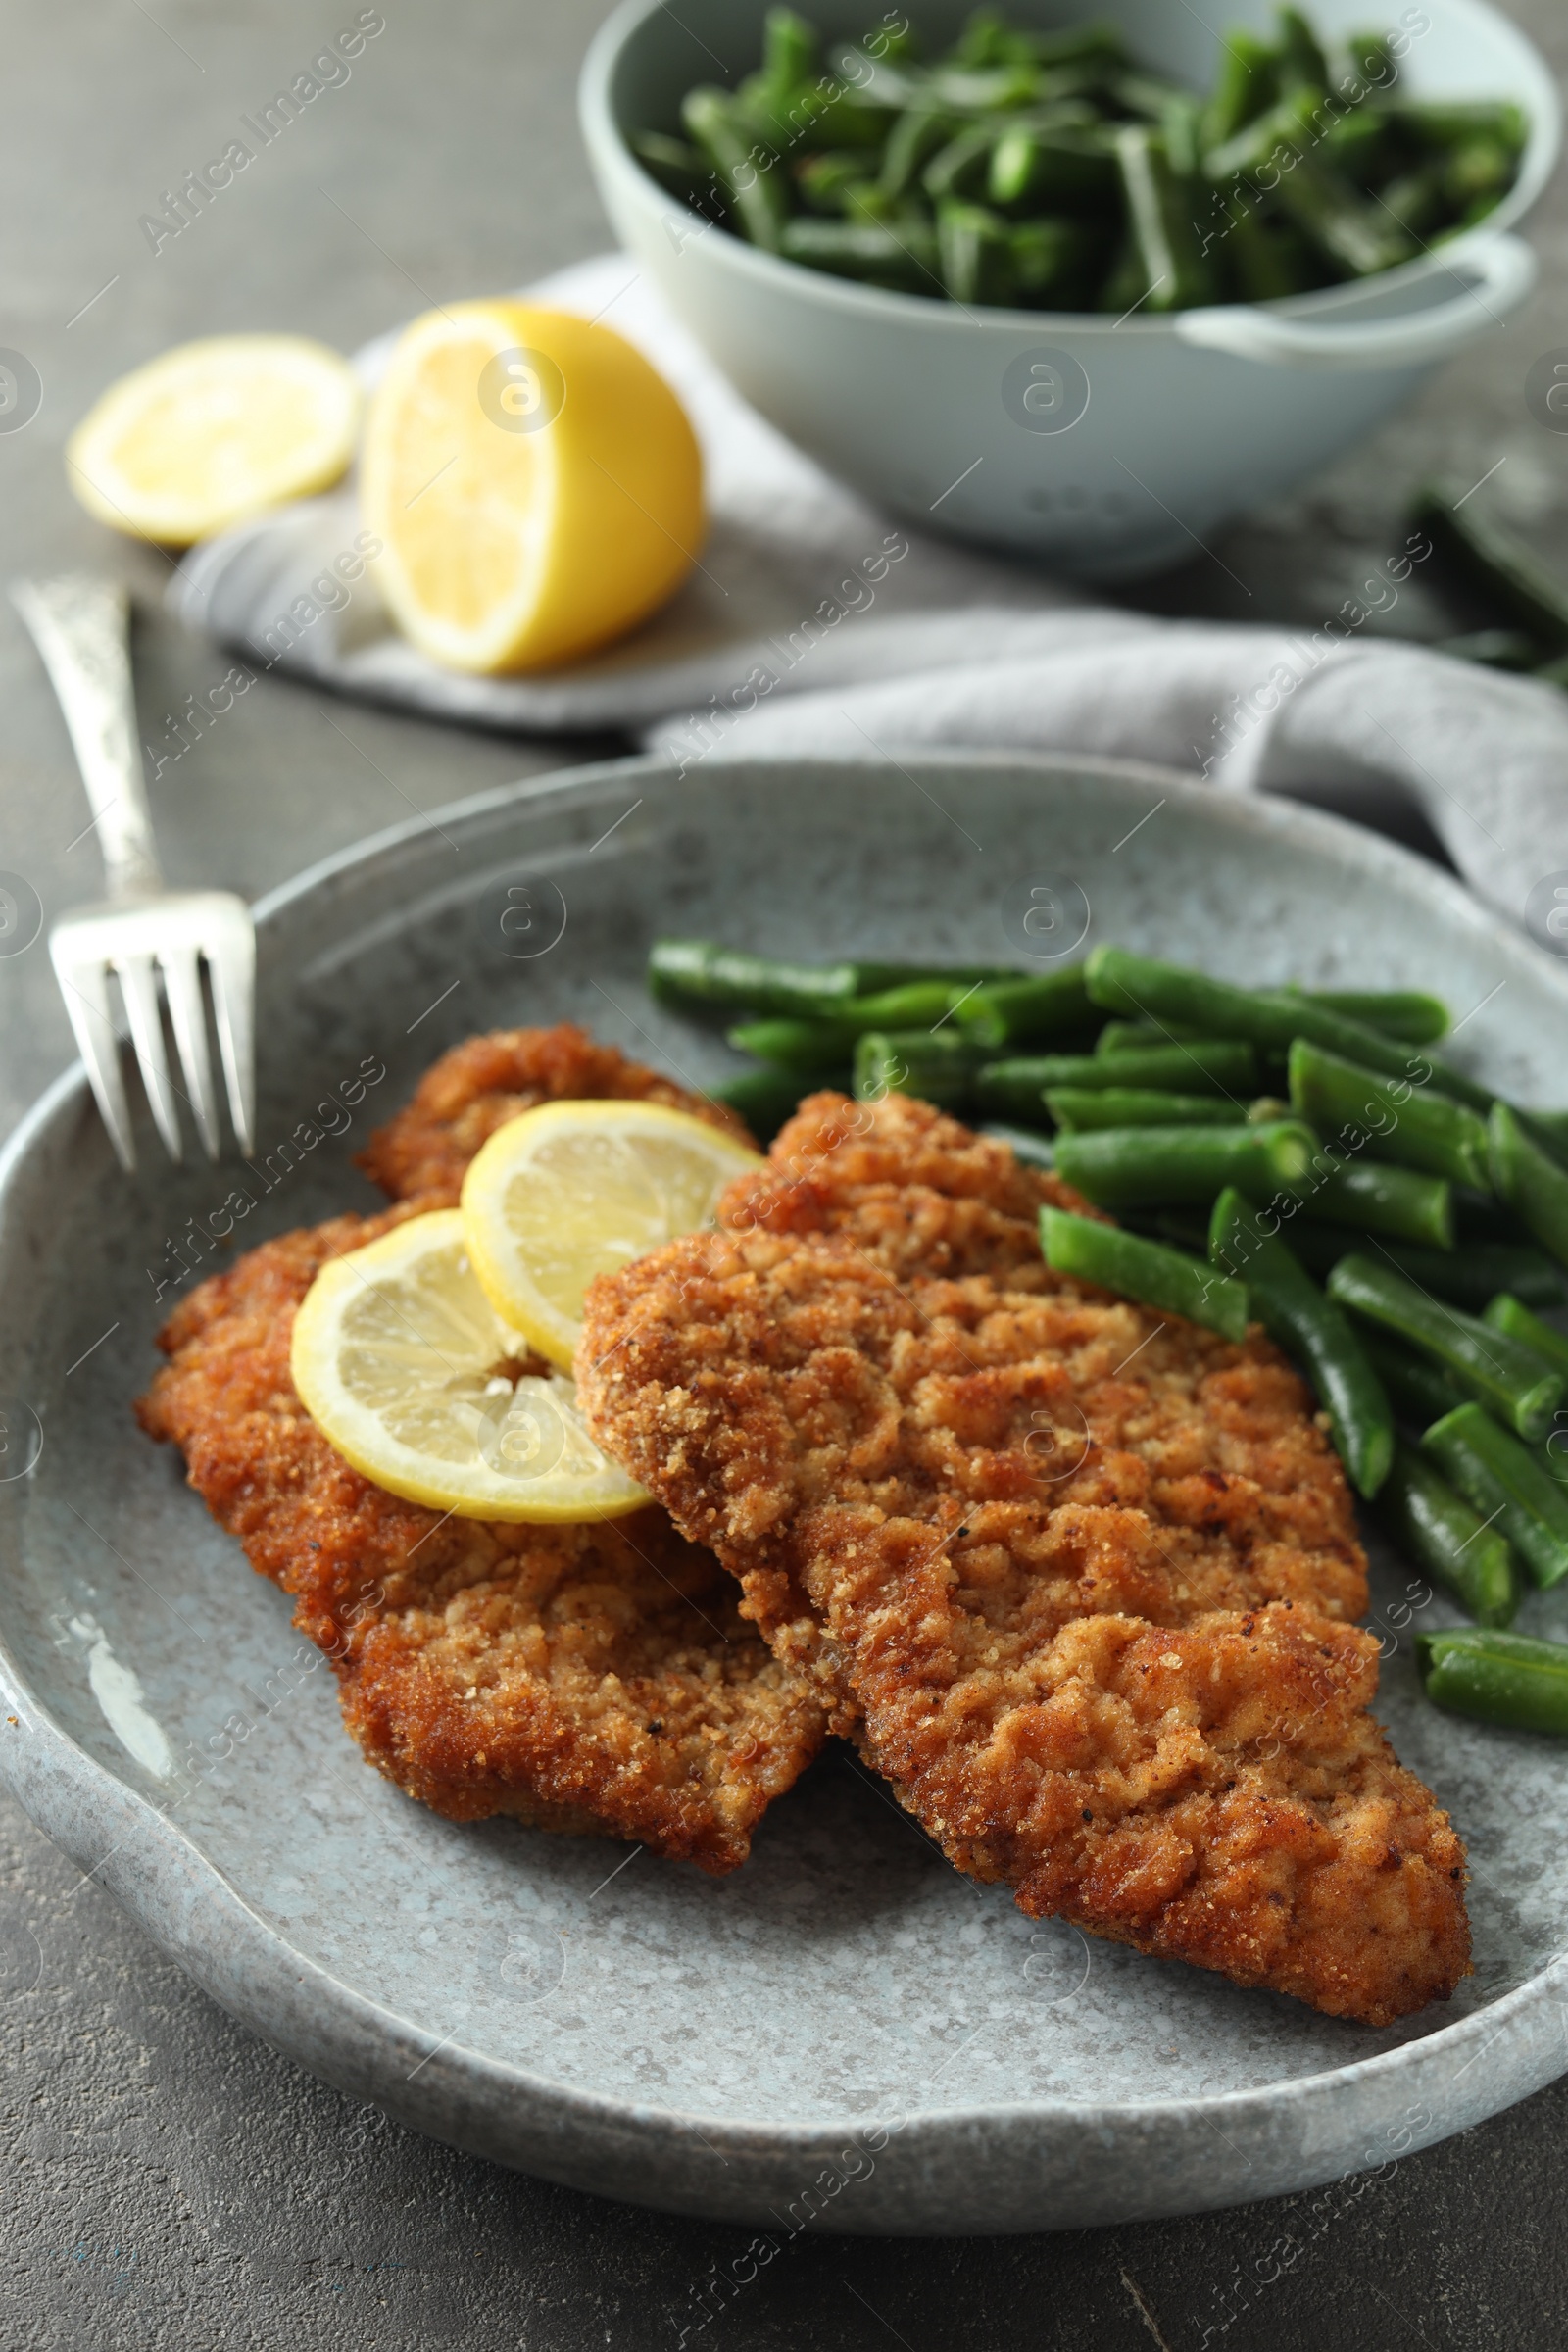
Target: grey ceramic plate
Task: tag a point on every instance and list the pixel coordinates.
(845, 2027)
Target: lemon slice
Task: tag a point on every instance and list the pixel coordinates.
(573, 1190)
(536, 485)
(404, 1366)
(215, 431)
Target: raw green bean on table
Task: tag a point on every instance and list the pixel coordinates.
(1295, 1312)
(1148, 1271)
(1504, 1481)
(1507, 1312)
(1436, 1531)
(1530, 1181)
(1076, 1107)
(1392, 1119)
(1510, 1378)
(1497, 1677)
(1417, 1386)
(1151, 1167)
(939, 1067)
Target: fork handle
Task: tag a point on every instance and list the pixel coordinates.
(82, 628)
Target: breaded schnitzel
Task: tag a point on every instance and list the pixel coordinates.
(1081, 1574)
(595, 1678)
(482, 1084)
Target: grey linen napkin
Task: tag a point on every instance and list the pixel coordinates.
(817, 625)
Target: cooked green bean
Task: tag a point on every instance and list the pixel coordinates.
(1295, 1312)
(1078, 1106)
(1406, 1013)
(1134, 1268)
(1271, 1018)
(1502, 1478)
(1437, 1529)
(829, 1043)
(1497, 1677)
(1470, 1275)
(1392, 1119)
(1532, 1183)
(766, 1099)
(1417, 1384)
(1026, 1011)
(1150, 1167)
(1509, 1378)
(1136, 1037)
(700, 975)
(1508, 1313)
(1161, 208)
(1400, 1204)
(1202, 1069)
(938, 1067)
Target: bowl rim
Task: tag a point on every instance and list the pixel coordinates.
(609, 150)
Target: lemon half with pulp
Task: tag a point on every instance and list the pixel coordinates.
(407, 1370)
(571, 1189)
(215, 431)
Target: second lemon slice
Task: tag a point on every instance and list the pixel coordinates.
(573, 1190)
(404, 1366)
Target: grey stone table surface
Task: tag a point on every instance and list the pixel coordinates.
(168, 2181)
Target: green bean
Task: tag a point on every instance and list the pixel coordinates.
(1049, 164)
(1510, 1378)
(1499, 1476)
(1301, 58)
(1496, 1677)
(1497, 570)
(1532, 1184)
(1419, 1386)
(1052, 262)
(1160, 205)
(1272, 1018)
(1548, 1128)
(680, 168)
(1138, 1167)
(1025, 1012)
(1295, 1312)
(1445, 123)
(1018, 1082)
(1247, 85)
(1134, 1268)
(766, 1099)
(1508, 1313)
(903, 259)
(974, 253)
(1436, 1531)
(963, 166)
(755, 193)
(1417, 199)
(1392, 1120)
(824, 1044)
(1077, 1107)
(1376, 1198)
(912, 141)
(1401, 1012)
(828, 181)
(939, 1068)
(1372, 59)
(1350, 228)
(1032, 1150)
(699, 975)
(1470, 1276)
(789, 49)
(1268, 260)
(1358, 144)
(1133, 1037)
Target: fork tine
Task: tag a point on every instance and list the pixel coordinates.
(182, 985)
(138, 984)
(231, 962)
(85, 988)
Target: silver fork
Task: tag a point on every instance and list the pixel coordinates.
(142, 930)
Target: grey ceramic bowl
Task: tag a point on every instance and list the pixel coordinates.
(845, 2027)
(1104, 446)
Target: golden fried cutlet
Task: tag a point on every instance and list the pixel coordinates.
(482, 1084)
(579, 1678)
(1078, 1575)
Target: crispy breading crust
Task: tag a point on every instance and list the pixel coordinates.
(1120, 1677)
(580, 1678)
(484, 1082)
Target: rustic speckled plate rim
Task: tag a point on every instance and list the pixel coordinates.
(479, 2102)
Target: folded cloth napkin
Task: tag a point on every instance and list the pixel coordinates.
(815, 623)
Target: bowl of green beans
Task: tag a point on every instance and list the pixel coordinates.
(1067, 281)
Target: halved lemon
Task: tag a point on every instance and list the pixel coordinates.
(215, 431)
(536, 483)
(403, 1364)
(573, 1190)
